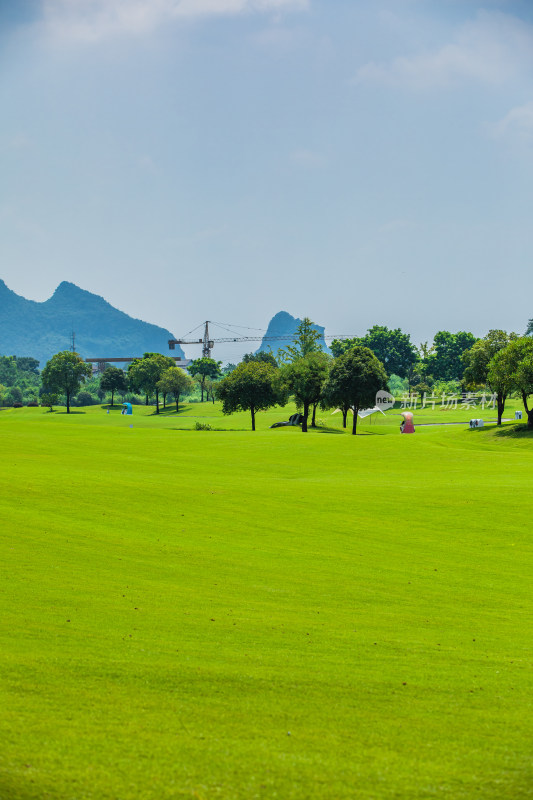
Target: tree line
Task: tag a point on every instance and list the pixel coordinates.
(501, 362)
(347, 379)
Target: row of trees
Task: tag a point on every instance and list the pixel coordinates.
(421, 366)
(306, 373)
(500, 361)
(359, 368)
(311, 376)
(155, 374)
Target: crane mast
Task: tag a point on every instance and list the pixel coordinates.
(206, 342)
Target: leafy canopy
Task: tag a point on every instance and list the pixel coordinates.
(262, 356)
(144, 373)
(478, 357)
(250, 387)
(392, 347)
(64, 373)
(206, 367)
(355, 378)
(113, 380)
(177, 382)
(513, 368)
(304, 378)
(445, 361)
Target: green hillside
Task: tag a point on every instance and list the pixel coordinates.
(39, 330)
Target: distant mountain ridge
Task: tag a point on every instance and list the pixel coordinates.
(285, 325)
(29, 328)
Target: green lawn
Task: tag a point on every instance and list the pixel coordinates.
(228, 614)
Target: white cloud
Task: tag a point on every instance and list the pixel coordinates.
(492, 49)
(517, 125)
(92, 20)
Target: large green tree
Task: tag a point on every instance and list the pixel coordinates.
(514, 364)
(250, 387)
(145, 372)
(354, 379)
(444, 362)
(113, 380)
(477, 360)
(304, 378)
(175, 381)
(392, 347)
(203, 368)
(64, 373)
(529, 329)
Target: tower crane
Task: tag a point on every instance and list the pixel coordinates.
(208, 344)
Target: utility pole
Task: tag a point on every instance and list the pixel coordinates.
(73, 345)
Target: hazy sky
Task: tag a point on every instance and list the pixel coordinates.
(356, 161)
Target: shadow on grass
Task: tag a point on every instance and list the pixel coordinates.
(167, 412)
(70, 412)
(211, 430)
(519, 431)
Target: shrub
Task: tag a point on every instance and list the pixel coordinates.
(84, 399)
(15, 395)
(202, 426)
(18, 405)
(33, 404)
(49, 399)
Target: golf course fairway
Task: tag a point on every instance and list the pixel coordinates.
(228, 615)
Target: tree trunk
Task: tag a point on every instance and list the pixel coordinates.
(157, 401)
(305, 415)
(202, 389)
(146, 401)
(344, 416)
(68, 401)
(164, 400)
(177, 402)
(354, 424)
(112, 397)
(501, 405)
(313, 418)
(252, 411)
(529, 411)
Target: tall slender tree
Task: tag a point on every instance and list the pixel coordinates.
(203, 368)
(113, 380)
(304, 378)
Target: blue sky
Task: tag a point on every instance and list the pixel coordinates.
(355, 161)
